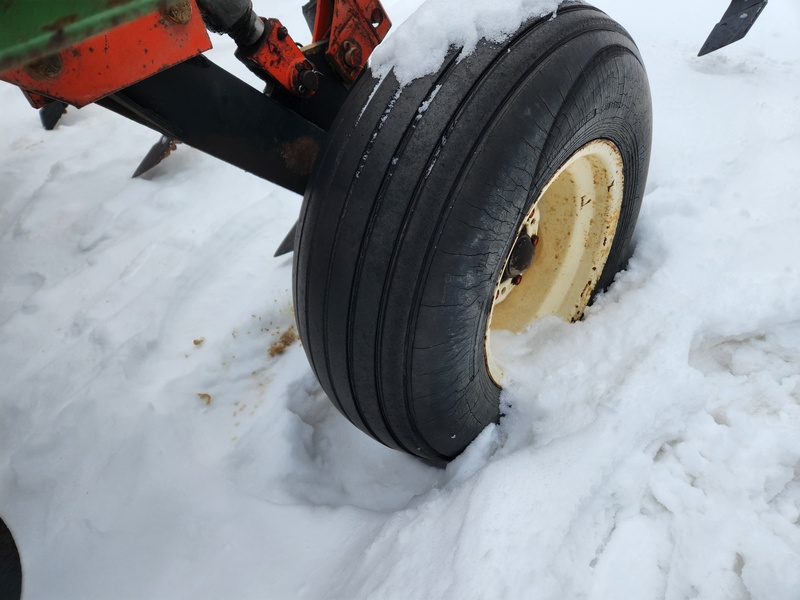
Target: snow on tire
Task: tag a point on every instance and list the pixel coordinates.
(504, 187)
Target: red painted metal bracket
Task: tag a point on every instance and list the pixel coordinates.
(354, 29)
(277, 54)
(109, 62)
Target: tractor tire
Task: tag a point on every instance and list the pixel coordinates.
(10, 566)
(418, 227)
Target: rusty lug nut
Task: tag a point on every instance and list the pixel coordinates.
(282, 33)
(307, 82)
(180, 12)
(352, 54)
(48, 67)
(377, 17)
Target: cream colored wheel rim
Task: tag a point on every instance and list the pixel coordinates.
(575, 218)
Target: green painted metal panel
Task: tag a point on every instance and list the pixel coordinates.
(31, 29)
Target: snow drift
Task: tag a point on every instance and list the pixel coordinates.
(161, 435)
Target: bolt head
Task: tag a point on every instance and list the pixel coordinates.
(307, 82)
(352, 54)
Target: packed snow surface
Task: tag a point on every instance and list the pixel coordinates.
(162, 436)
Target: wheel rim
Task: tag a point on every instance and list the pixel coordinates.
(572, 225)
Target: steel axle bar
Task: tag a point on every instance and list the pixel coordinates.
(204, 106)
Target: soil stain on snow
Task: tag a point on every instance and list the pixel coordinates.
(287, 339)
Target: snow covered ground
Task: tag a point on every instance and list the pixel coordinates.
(155, 443)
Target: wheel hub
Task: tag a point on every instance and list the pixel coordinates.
(576, 214)
(521, 257)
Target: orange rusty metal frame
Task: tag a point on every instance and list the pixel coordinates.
(109, 62)
(277, 54)
(354, 28)
(351, 28)
(323, 19)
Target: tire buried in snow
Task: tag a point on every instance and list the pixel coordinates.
(417, 228)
